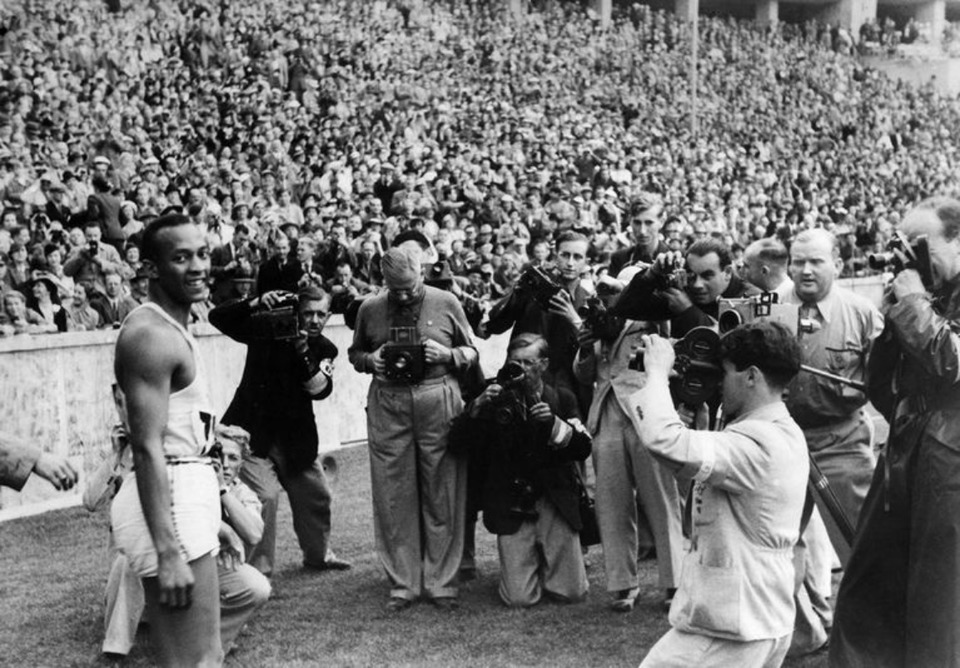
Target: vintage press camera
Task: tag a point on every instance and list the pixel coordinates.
(675, 276)
(598, 318)
(538, 285)
(510, 406)
(735, 312)
(697, 366)
(281, 323)
(900, 254)
(404, 356)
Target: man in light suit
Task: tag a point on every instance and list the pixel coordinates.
(626, 470)
(735, 603)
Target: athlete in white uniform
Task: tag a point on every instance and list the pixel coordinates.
(166, 518)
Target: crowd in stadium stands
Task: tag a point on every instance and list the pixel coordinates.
(313, 137)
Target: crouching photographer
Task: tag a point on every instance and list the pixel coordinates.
(289, 365)
(523, 440)
(734, 605)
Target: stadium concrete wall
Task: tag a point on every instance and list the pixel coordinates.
(55, 394)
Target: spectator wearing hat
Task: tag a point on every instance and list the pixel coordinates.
(57, 208)
(43, 304)
(103, 208)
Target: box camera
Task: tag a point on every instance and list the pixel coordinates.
(510, 407)
(735, 312)
(404, 356)
(697, 366)
(280, 323)
(900, 254)
(538, 285)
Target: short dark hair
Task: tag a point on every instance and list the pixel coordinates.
(704, 247)
(571, 235)
(766, 344)
(771, 251)
(526, 340)
(149, 246)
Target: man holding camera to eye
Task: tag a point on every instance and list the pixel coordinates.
(415, 341)
(734, 605)
(626, 472)
(898, 603)
(289, 366)
(91, 263)
(555, 317)
(684, 290)
(525, 439)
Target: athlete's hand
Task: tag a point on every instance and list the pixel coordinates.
(175, 581)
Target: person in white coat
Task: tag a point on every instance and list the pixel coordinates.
(734, 605)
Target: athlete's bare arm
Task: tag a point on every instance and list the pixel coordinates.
(151, 362)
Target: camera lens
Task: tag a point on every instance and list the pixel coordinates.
(729, 320)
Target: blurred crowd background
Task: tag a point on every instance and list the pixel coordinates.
(311, 134)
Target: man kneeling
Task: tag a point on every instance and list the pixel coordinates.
(734, 606)
(523, 439)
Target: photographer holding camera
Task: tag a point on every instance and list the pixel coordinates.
(684, 290)
(549, 307)
(524, 438)
(898, 603)
(289, 366)
(91, 263)
(734, 606)
(626, 472)
(416, 341)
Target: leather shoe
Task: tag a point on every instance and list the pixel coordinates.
(624, 600)
(331, 563)
(446, 603)
(397, 604)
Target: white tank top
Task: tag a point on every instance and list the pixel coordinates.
(190, 420)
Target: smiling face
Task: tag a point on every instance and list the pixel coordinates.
(182, 265)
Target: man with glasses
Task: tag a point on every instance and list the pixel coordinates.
(274, 402)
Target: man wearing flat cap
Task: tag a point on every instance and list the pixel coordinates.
(415, 341)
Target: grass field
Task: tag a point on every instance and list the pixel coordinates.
(55, 565)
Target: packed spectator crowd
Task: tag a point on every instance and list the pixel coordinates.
(309, 135)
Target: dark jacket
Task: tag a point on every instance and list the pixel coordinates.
(500, 455)
(626, 257)
(270, 402)
(272, 276)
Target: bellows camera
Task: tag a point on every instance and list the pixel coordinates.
(404, 356)
(279, 323)
(537, 284)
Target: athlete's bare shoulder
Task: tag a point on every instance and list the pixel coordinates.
(152, 348)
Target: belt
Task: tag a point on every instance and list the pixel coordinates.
(189, 459)
(425, 382)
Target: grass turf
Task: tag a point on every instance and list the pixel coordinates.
(55, 565)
